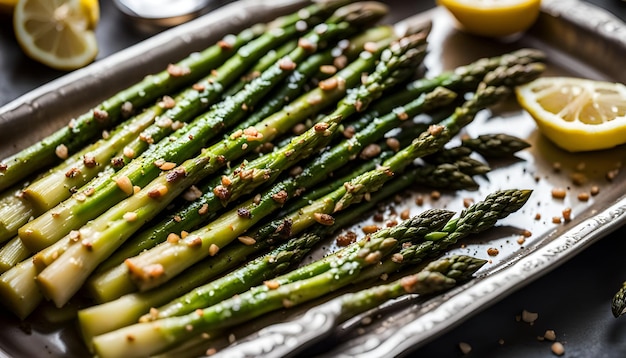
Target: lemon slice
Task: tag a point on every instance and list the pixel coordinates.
(577, 114)
(57, 33)
(493, 18)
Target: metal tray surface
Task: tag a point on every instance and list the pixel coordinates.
(580, 40)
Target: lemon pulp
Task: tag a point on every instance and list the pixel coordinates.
(577, 114)
(57, 33)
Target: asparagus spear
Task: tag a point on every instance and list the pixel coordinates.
(496, 145)
(262, 64)
(265, 298)
(477, 218)
(445, 175)
(25, 295)
(127, 309)
(75, 212)
(393, 66)
(436, 277)
(618, 304)
(11, 253)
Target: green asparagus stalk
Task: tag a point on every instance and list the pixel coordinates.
(127, 309)
(153, 337)
(445, 175)
(303, 107)
(395, 61)
(449, 155)
(475, 219)
(436, 277)
(73, 213)
(11, 253)
(19, 291)
(618, 304)
(262, 64)
(496, 145)
(13, 210)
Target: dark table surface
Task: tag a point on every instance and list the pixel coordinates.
(573, 300)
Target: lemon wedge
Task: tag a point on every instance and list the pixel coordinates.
(493, 18)
(58, 33)
(577, 114)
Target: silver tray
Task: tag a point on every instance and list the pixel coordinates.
(580, 40)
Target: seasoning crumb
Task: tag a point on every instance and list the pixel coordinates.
(173, 238)
(419, 200)
(370, 229)
(177, 71)
(557, 348)
(595, 190)
(247, 240)
(492, 251)
(550, 335)
(328, 84)
(346, 239)
(130, 216)
(529, 317)
(556, 219)
(579, 178)
(328, 69)
(567, 214)
(521, 240)
(612, 174)
(467, 202)
(465, 347)
(559, 193)
(124, 183)
(61, 151)
(435, 195)
(537, 216)
(213, 249)
(583, 196)
(272, 285)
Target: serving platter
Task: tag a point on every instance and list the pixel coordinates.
(580, 40)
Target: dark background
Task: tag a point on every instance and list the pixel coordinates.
(573, 300)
